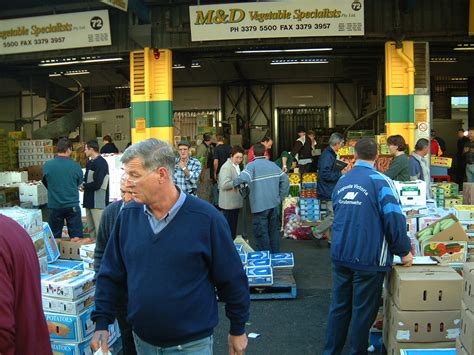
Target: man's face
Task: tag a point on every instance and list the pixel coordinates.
(268, 144)
(460, 134)
(425, 151)
(141, 183)
(125, 193)
(183, 152)
(88, 151)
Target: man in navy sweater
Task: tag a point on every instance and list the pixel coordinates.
(173, 252)
(369, 228)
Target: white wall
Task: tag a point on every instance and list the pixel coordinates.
(31, 106)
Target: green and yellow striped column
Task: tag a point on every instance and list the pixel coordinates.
(151, 93)
(400, 91)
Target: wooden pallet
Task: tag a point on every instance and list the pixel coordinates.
(284, 287)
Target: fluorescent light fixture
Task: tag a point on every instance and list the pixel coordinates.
(459, 79)
(75, 61)
(299, 61)
(464, 47)
(178, 66)
(195, 65)
(71, 72)
(295, 50)
(123, 87)
(443, 59)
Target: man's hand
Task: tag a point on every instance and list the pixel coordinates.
(237, 344)
(285, 169)
(100, 339)
(407, 260)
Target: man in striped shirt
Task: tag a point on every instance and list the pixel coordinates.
(368, 230)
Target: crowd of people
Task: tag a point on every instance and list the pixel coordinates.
(174, 227)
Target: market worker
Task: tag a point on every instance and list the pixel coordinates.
(460, 158)
(205, 154)
(369, 228)
(174, 254)
(302, 150)
(267, 142)
(62, 176)
(109, 146)
(23, 329)
(419, 164)
(286, 162)
(328, 176)
(269, 185)
(399, 168)
(187, 169)
(96, 186)
(106, 227)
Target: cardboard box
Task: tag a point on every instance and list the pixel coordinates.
(448, 252)
(412, 193)
(70, 284)
(38, 241)
(30, 220)
(283, 260)
(425, 288)
(460, 349)
(464, 212)
(33, 192)
(455, 233)
(467, 329)
(441, 161)
(412, 226)
(468, 280)
(35, 172)
(424, 326)
(43, 263)
(260, 276)
(394, 348)
(70, 328)
(70, 250)
(259, 262)
(258, 255)
(86, 252)
(57, 305)
(9, 194)
(52, 250)
(67, 264)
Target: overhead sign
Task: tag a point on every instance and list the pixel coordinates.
(277, 19)
(45, 33)
(119, 4)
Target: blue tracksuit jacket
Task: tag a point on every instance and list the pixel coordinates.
(369, 227)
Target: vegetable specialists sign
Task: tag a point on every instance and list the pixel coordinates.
(45, 33)
(277, 19)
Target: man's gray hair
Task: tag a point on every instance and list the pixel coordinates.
(335, 138)
(154, 153)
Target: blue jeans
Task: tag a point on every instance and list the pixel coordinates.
(73, 221)
(197, 347)
(266, 230)
(470, 172)
(355, 297)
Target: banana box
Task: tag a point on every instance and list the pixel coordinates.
(70, 328)
(452, 201)
(283, 260)
(70, 284)
(86, 252)
(260, 275)
(57, 305)
(38, 242)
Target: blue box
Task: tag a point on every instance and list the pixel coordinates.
(243, 257)
(260, 276)
(69, 284)
(283, 261)
(258, 262)
(258, 255)
(428, 352)
(52, 250)
(70, 328)
(239, 247)
(73, 307)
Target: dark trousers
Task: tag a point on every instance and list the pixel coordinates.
(128, 344)
(304, 168)
(232, 217)
(460, 171)
(72, 215)
(355, 300)
(266, 230)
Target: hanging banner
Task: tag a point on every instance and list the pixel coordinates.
(119, 4)
(277, 19)
(64, 31)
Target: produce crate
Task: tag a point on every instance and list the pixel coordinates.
(444, 162)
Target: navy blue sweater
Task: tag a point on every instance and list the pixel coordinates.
(327, 176)
(369, 227)
(96, 183)
(172, 276)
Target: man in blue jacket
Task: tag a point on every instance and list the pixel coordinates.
(369, 228)
(269, 185)
(328, 176)
(174, 254)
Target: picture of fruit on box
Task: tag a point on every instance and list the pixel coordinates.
(455, 252)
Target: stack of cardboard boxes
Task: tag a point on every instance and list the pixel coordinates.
(13, 145)
(465, 214)
(422, 308)
(4, 161)
(35, 152)
(465, 343)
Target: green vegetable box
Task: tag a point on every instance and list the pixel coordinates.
(445, 239)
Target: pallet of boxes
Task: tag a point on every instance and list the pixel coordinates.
(422, 308)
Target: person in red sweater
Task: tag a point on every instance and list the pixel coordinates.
(267, 142)
(23, 329)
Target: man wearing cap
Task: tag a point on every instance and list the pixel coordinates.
(302, 150)
(187, 169)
